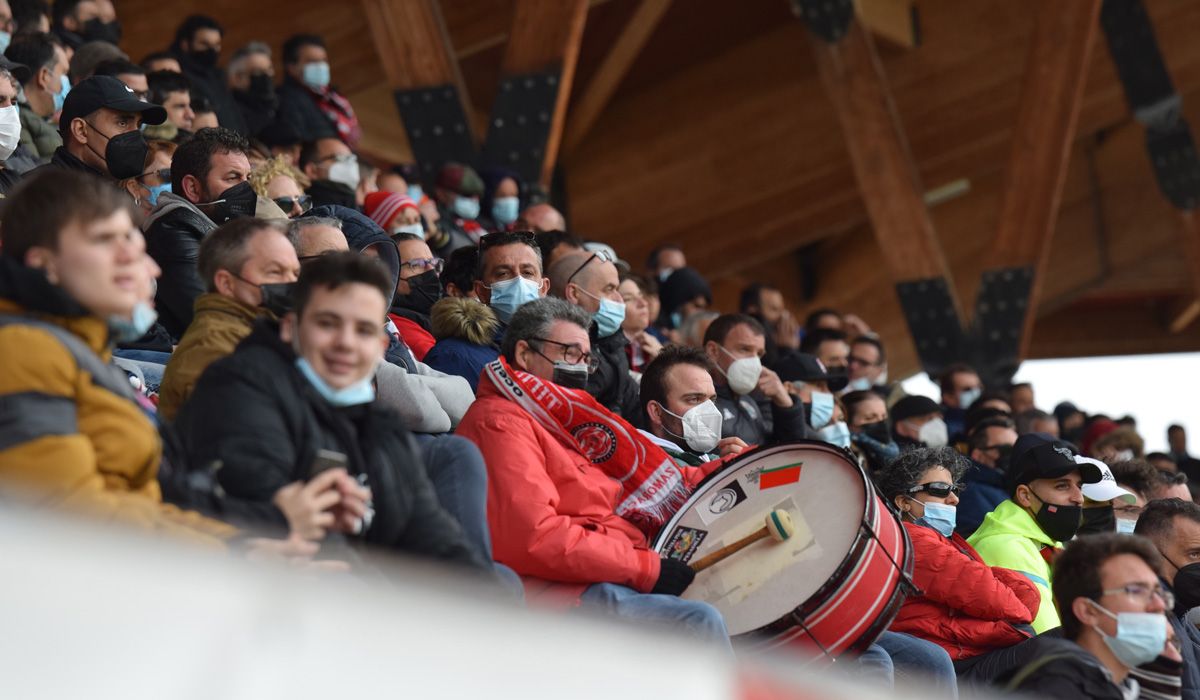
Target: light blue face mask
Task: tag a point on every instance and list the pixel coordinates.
(837, 434)
(968, 397)
(362, 391)
(1126, 527)
(316, 75)
(940, 517)
(676, 319)
(610, 315)
(466, 207)
(5, 39)
(414, 229)
(61, 96)
(127, 330)
(860, 384)
(1140, 636)
(156, 191)
(511, 294)
(505, 210)
(822, 409)
(416, 193)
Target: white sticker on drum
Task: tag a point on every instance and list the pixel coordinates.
(724, 500)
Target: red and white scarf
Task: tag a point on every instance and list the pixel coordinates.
(652, 487)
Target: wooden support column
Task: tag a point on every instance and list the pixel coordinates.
(1187, 310)
(616, 64)
(527, 118)
(894, 21)
(415, 52)
(1051, 94)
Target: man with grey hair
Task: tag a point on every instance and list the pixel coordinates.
(248, 266)
(251, 79)
(316, 235)
(564, 494)
(693, 328)
(590, 281)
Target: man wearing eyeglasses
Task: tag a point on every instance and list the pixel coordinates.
(417, 289)
(590, 281)
(565, 478)
(333, 169)
(1173, 526)
(1112, 620)
(1044, 509)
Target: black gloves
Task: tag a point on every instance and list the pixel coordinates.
(673, 577)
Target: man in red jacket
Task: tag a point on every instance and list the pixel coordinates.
(573, 490)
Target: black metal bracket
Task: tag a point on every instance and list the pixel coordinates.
(520, 123)
(828, 19)
(437, 127)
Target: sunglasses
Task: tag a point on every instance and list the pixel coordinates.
(600, 255)
(163, 174)
(939, 489)
(286, 203)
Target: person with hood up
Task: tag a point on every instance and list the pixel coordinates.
(682, 293)
(1044, 509)
(209, 186)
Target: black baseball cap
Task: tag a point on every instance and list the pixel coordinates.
(801, 367)
(19, 70)
(100, 91)
(1040, 456)
(913, 406)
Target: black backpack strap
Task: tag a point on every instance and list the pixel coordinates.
(104, 374)
(1023, 675)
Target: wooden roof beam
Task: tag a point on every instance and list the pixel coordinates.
(894, 21)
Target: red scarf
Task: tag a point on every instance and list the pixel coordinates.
(652, 487)
(338, 110)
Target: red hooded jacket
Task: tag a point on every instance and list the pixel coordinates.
(550, 510)
(967, 607)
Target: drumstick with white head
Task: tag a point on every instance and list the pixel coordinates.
(778, 527)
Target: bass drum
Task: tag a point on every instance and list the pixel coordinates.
(832, 587)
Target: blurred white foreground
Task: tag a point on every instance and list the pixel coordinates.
(93, 613)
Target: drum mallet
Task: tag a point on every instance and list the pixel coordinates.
(778, 527)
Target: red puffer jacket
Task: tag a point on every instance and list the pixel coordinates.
(550, 510)
(968, 607)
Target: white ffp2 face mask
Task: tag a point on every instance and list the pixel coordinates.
(934, 433)
(743, 374)
(345, 172)
(10, 131)
(701, 426)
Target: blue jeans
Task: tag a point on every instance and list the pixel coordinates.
(920, 663)
(696, 619)
(151, 363)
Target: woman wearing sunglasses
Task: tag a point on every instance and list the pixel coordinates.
(966, 607)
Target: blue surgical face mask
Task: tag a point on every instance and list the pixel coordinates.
(940, 517)
(822, 409)
(676, 319)
(156, 191)
(511, 294)
(64, 86)
(1126, 527)
(466, 207)
(316, 75)
(416, 193)
(837, 434)
(860, 384)
(610, 315)
(5, 39)
(1140, 636)
(127, 330)
(505, 210)
(968, 397)
(362, 391)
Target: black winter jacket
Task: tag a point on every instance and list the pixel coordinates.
(173, 234)
(757, 420)
(299, 111)
(210, 82)
(255, 414)
(610, 383)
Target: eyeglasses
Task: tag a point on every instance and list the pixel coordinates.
(286, 203)
(572, 354)
(939, 489)
(601, 255)
(424, 264)
(495, 238)
(1143, 593)
(163, 174)
(1127, 509)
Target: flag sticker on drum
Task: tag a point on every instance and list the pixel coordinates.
(722, 502)
(779, 476)
(683, 543)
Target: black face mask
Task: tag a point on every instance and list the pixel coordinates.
(277, 298)
(239, 200)
(879, 431)
(838, 379)
(206, 58)
(570, 376)
(1061, 523)
(1098, 521)
(1004, 460)
(96, 29)
(125, 153)
(425, 291)
(1186, 587)
(262, 87)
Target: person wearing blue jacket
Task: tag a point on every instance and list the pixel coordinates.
(991, 444)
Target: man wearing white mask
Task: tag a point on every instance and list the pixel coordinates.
(333, 169)
(917, 421)
(677, 395)
(10, 121)
(755, 404)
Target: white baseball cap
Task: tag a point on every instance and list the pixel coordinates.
(1106, 489)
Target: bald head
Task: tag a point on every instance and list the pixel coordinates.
(584, 279)
(543, 217)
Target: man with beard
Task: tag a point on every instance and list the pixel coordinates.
(417, 290)
(209, 186)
